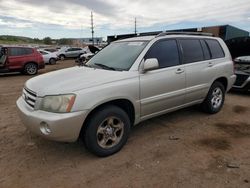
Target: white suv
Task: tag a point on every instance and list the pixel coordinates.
(127, 82)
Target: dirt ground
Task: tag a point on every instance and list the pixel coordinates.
(186, 148)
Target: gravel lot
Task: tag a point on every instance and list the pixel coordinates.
(186, 148)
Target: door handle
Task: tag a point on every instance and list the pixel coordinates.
(210, 64)
(179, 71)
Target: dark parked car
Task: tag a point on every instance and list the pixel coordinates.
(242, 71)
(20, 59)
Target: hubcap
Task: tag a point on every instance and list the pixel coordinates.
(31, 69)
(110, 132)
(216, 98)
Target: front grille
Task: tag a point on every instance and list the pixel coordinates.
(240, 79)
(29, 97)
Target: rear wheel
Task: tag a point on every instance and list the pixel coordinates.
(30, 69)
(215, 99)
(62, 57)
(52, 61)
(107, 131)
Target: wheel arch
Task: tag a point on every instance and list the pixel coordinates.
(223, 80)
(122, 103)
(30, 62)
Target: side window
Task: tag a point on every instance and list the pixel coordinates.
(205, 49)
(215, 49)
(192, 51)
(27, 51)
(15, 52)
(20, 51)
(166, 52)
(43, 53)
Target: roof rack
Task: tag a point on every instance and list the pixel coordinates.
(164, 33)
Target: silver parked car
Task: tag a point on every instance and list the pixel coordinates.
(127, 82)
(69, 52)
(49, 57)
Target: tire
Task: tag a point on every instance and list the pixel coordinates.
(30, 69)
(79, 56)
(215, 99)
(62, 57)
(107, 131)
(52, 61)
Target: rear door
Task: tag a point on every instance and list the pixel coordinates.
(17, 57)
(162, 89)
(199, 68)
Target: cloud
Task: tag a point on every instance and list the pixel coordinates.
(118, 16)
(98, 6)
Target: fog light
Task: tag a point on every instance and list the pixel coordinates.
(44, 128)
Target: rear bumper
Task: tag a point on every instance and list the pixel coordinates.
(231, 81)
(62, 127)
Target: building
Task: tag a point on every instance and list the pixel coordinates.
(226, 32)
(239, 46)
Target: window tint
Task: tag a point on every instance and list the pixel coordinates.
(166, 52)
(192, 51)
(215, 49)
(28, 51)
(43, 53)
(205, 49)
(74, 49)
(20, 51)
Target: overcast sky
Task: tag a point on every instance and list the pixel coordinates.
(71, 18)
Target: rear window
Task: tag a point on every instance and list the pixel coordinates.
(215, 49)
(192, 51)
(20, 51)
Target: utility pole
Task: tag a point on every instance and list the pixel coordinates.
(92, 28)
(135, 26)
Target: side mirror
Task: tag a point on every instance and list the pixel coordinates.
(150, 64)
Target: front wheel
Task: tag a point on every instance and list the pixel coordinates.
(215, 98)
(30, 69)
(107, 131)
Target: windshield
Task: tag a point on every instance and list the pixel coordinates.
(118, 56)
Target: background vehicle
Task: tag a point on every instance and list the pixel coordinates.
(242, 71)
(20, 59)
(127, 82)
(70, 53)
(90, 52)
(49, 57)
(50, 50)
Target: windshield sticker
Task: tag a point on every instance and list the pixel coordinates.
(135, 43)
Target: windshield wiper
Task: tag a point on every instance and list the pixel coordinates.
(105, 66)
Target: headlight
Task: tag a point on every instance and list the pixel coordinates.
(58, 103)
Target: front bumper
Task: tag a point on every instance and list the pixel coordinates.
(63, 127)
(242, 82)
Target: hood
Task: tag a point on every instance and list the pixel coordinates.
(73, 79)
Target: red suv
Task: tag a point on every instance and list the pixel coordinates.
(20, 59)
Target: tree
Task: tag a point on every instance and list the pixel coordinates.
(47, 40)
(64, 41)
